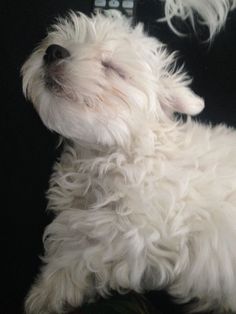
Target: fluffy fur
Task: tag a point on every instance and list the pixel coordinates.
(142, 201)
(212, 13)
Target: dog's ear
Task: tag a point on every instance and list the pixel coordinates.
(177, 97)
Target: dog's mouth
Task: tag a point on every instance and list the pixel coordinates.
(52, 84)
(54, 77)
(49, 81)
(56, 82)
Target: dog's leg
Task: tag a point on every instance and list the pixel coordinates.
(56, 290)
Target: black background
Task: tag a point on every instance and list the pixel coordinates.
(28, 149)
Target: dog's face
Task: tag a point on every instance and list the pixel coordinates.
(98, 80)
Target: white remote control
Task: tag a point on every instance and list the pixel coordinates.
(126, 7)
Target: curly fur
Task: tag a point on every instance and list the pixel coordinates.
(142, 201)
(212, 13)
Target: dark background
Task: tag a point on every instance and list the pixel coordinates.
(29, 149)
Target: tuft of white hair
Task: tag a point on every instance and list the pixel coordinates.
(212, 13)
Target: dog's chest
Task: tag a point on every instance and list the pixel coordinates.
(169, 189)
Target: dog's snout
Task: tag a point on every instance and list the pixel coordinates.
(55, 53)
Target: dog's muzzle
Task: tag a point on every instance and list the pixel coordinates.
(54, 68)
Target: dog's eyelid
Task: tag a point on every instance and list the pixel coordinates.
(107, 64)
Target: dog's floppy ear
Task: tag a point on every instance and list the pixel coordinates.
(177, 97)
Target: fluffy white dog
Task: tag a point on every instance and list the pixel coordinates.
(142, 201)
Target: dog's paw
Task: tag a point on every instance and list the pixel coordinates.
(45, 300)
(52, 296)
(37, 302)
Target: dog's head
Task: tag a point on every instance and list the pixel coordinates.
(99, 80)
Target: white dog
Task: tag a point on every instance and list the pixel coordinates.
(142, 201)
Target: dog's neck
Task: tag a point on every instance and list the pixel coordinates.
(137, 147)
(145, 144)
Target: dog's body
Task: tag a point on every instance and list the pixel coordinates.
(142, 201)
(145, 220)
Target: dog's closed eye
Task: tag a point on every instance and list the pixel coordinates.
(110, 66)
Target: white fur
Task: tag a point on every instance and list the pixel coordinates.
(212, 13)
(142, 201)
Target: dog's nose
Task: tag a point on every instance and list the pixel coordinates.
(55, 53)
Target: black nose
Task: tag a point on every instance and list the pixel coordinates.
(55, 53)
